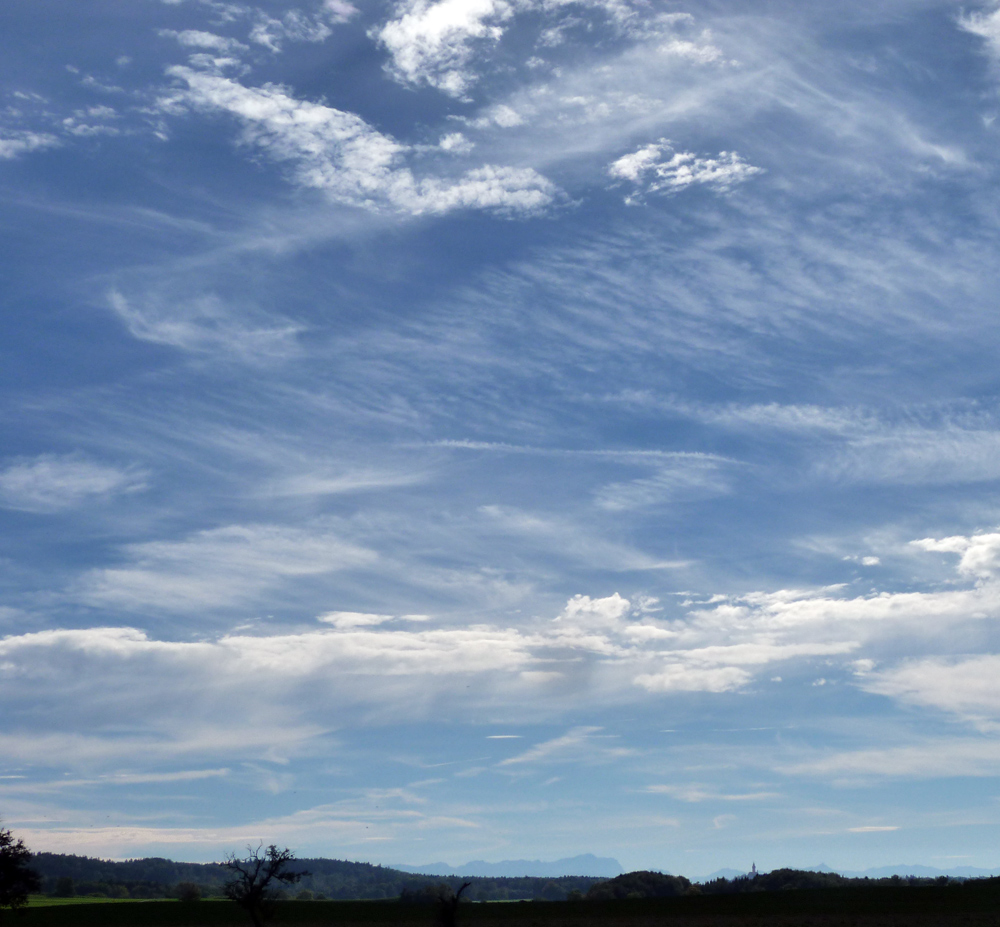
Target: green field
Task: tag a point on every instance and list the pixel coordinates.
(973, 904)
(48, 901)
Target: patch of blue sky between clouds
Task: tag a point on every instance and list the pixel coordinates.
(370, 463)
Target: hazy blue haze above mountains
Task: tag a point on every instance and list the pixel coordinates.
(585, 865)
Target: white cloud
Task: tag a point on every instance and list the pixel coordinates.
(581, 743)
(52, 483)
(658, 167)
(341, 10)
(697, 793)
(202, 697)
(219, 567)
(952, 446)
(432, 42)
(702, 52)
(296, 26)
(506, 117)
(797, 418)
(356, 821)
(598, 649)
(116, 778)
(155, 738)
(14, 143)
(548, 533)
(326, 483)
(342, 155)
(965, 687)
(986, 26)
(681, 677)
(205, 325)
(436, 41)
(946, 454)
(194, 38)
(584, 612)
(932, 758)
(980, 552)
(417, 665)
(455, 142)
(353, 619)
(691, 478)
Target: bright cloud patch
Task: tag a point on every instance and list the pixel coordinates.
(623, 649)
(433, 42)
(51, 483)
(985, 25)
(963, 687)
(596, 649)
(980, 554)
(342, 155)
(659, 168)
(15, 143)
(436, 42)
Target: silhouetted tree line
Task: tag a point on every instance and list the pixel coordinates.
(641, 884)
(661, 885)
(342, 880)
(327, 878)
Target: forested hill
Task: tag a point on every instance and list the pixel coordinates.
(330, 878)
(340, 879)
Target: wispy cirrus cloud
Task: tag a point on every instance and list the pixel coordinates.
(219, 567)
(932, 758)
(694, 794)
(581, 744)
(363, 817)
(54, 483)
(299, 26)
(692, 478)
(197, 38)
(313, 24)
(206, 324)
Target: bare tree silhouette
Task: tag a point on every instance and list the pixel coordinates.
(448, 907)
(257, 878)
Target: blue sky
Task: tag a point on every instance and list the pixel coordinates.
(463, 429)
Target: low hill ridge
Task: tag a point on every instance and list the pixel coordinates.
(330, 878)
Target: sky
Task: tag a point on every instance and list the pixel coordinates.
(490, 429)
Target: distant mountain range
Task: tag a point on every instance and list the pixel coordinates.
(584, 865)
